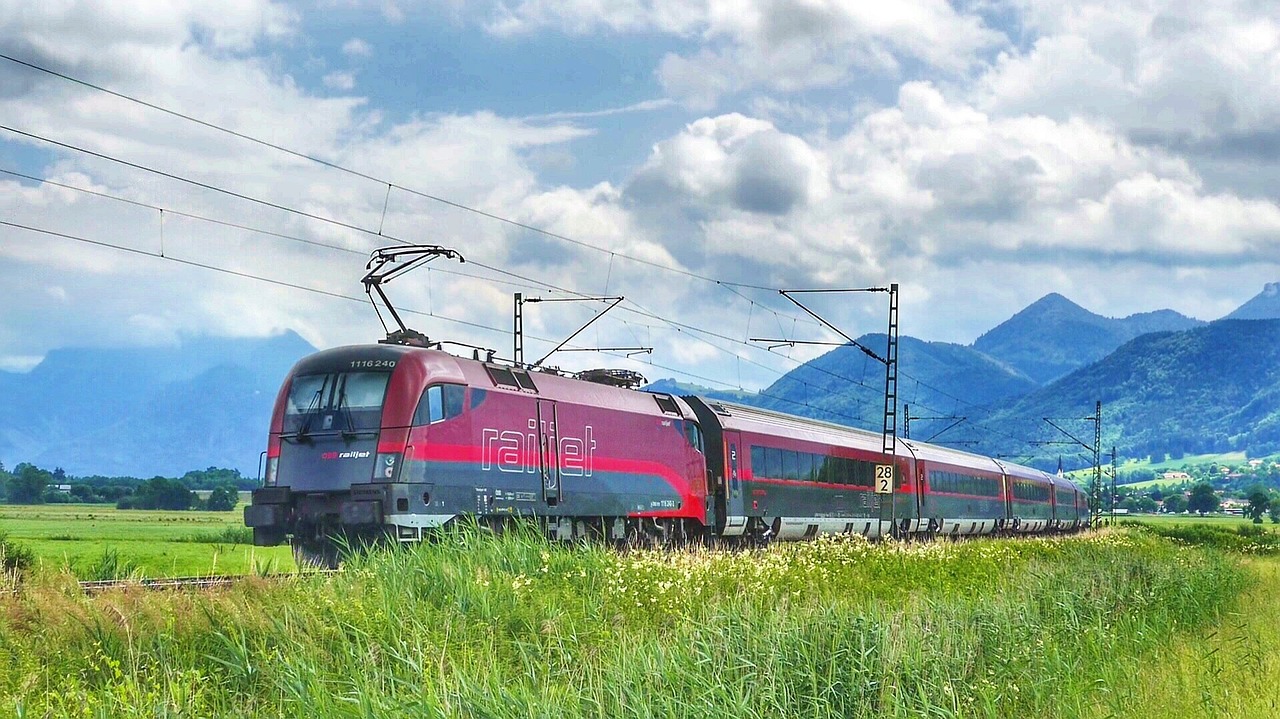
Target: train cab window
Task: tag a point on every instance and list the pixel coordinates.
(693, 434)
(477, 396)
(439, 402)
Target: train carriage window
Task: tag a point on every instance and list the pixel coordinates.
(809, 463)
(826, 469)
(758, 460)
(773, 462)
(790, 464)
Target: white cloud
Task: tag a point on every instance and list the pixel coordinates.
(356, 48)
(735, 161)
(1163, 66)
(340, 80)
(781, 45)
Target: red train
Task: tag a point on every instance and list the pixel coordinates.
(382, 440)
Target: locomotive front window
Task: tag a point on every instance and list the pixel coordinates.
(337, 401)
(307, 393)
(362, 390)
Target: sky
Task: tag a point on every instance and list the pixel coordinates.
(693, 157)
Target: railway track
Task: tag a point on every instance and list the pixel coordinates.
(181, 583)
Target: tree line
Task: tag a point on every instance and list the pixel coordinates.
(30, 484)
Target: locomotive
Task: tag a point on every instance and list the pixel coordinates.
(370, 442)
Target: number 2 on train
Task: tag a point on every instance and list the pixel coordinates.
(884, 479)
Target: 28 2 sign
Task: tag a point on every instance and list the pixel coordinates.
(884, 479)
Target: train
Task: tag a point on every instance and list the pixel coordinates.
(392, 442)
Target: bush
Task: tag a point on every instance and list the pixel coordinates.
(15, 557)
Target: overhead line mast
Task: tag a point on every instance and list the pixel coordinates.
(889, 437)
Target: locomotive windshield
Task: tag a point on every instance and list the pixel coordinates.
(335, 402)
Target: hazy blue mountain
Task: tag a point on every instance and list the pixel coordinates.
(1208, 389)
(680, 389)
(1264, 306)
(1054, 336)
(147, 411)
(939, 378)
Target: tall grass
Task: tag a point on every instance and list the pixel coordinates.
(1237, 537)
(511, 626)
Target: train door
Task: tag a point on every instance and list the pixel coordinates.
(735, 496)
(549, 452)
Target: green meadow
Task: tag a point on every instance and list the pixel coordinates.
(1123, 622)
(97, 540)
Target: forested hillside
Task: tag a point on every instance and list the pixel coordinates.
(1210, 389)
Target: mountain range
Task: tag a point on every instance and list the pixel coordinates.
(1168, 384)
(147, 411)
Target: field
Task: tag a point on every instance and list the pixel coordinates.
(1117, 623)
(97, 539)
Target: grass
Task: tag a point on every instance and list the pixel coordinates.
(149, 543)
(511, 626)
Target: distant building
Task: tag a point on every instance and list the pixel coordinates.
(1177, 476)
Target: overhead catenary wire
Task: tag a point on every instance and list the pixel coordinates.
(354, 298)
(525, 282)
(728, 285)
(381, 181)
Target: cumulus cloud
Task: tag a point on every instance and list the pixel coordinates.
(1164, 67)
(356, 48)
(781, 45)
(340, 80)
(732, 160)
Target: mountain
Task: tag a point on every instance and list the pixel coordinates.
(147, 411)
(675, 387)
(1053, 336)
(1264, 306)
(847, 386)
(1212, 388)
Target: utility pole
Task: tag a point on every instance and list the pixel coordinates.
(1114, 496)
(1095, 489)
(889, 437)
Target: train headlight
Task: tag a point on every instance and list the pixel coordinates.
(386, 467)
(273, 466)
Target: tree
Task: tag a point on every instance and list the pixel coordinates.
(1203, 499)
(1175, 504)
(223, 499)
(159, 493)
(26, 485)
(1258, 501)
(1146, 505)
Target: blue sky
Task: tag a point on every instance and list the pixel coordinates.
(698, 156)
